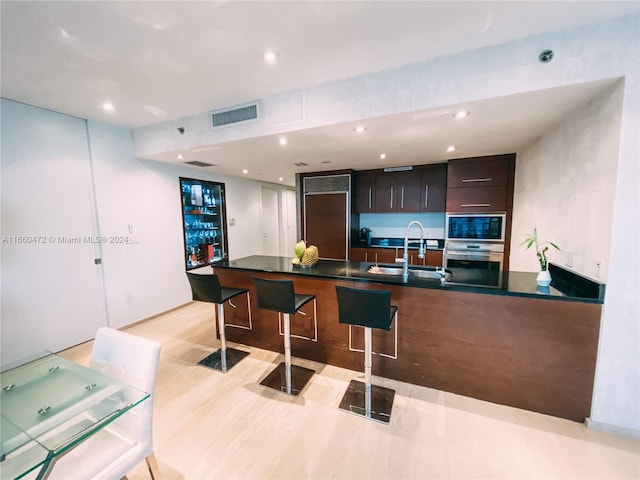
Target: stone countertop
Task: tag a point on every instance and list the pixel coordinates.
(521, 284)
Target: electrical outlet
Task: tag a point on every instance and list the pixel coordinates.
(598, 267)
(568, 259)
(128, 298)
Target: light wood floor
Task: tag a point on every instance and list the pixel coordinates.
(227, 426)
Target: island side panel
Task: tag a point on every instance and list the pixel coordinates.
(539, 355)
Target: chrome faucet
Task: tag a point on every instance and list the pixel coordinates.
(405, 256)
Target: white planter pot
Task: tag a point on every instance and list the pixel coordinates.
(544, 278)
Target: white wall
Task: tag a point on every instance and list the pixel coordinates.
(53, 295)
(147, 277)
(565, 186)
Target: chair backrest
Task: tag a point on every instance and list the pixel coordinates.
(133, 360)
(367, 308)
(117, 448)
(205, 288)
(277, 295)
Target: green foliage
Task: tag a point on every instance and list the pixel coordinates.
(531, 240)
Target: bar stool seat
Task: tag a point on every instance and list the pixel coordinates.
(207, 288)
(368, 309)
(279, 296)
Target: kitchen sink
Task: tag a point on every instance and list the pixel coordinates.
(413, 272)
(385, 271)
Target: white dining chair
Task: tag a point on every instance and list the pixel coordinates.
(118, 448)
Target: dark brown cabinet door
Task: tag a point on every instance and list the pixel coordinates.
(433, 188)
(326, 224)
(358, 255)
(364, 195)
(483, 184)
(398, 191)
(408, 191)
(381, 255)
(476, 172)
(432, 258)
(386, 192)
(477, 199)
(373, 255)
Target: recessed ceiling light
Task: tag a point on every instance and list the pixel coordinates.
(382, 156)
(360, 129)
(283, 141)
(245, 171)
(180, 156)
(451, 148)
(461, 114)
(280, 179)
(270, 56)
(108, 106)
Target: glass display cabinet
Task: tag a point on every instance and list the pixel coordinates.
(204, 222)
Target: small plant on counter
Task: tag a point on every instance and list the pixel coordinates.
(541, 248)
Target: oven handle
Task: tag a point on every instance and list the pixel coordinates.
(458, 255)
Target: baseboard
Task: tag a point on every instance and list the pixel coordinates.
(607, 427)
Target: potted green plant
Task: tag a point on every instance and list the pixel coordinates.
(531, 240)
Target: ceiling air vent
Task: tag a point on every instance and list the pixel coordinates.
(301, 164)
(234, 115)
(196, 163)
(397, 169)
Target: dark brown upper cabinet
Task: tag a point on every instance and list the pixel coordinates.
(483, 184)
(433, 188)
(398, 191)
(365, 191)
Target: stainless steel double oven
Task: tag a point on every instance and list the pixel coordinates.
(474, 248)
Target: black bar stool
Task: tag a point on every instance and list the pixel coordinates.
(368, 309)
(206, 288)
(279, 296)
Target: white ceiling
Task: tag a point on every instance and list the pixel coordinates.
(163, 60)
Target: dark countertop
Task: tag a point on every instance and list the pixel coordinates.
(522, 284)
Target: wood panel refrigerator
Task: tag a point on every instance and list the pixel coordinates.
(327, 214)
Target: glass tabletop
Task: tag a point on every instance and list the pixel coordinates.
(51, 405)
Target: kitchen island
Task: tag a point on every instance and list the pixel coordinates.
(516, 345)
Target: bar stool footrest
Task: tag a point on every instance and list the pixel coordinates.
(353, 401)
(215, 359)
(276, 379)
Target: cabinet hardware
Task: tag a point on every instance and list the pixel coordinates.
(370, 198)
(475, 205)
(391, 198)
(401, 198)
(426, 196)
(470, 180)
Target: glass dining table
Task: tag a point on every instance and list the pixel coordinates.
(50, 406)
